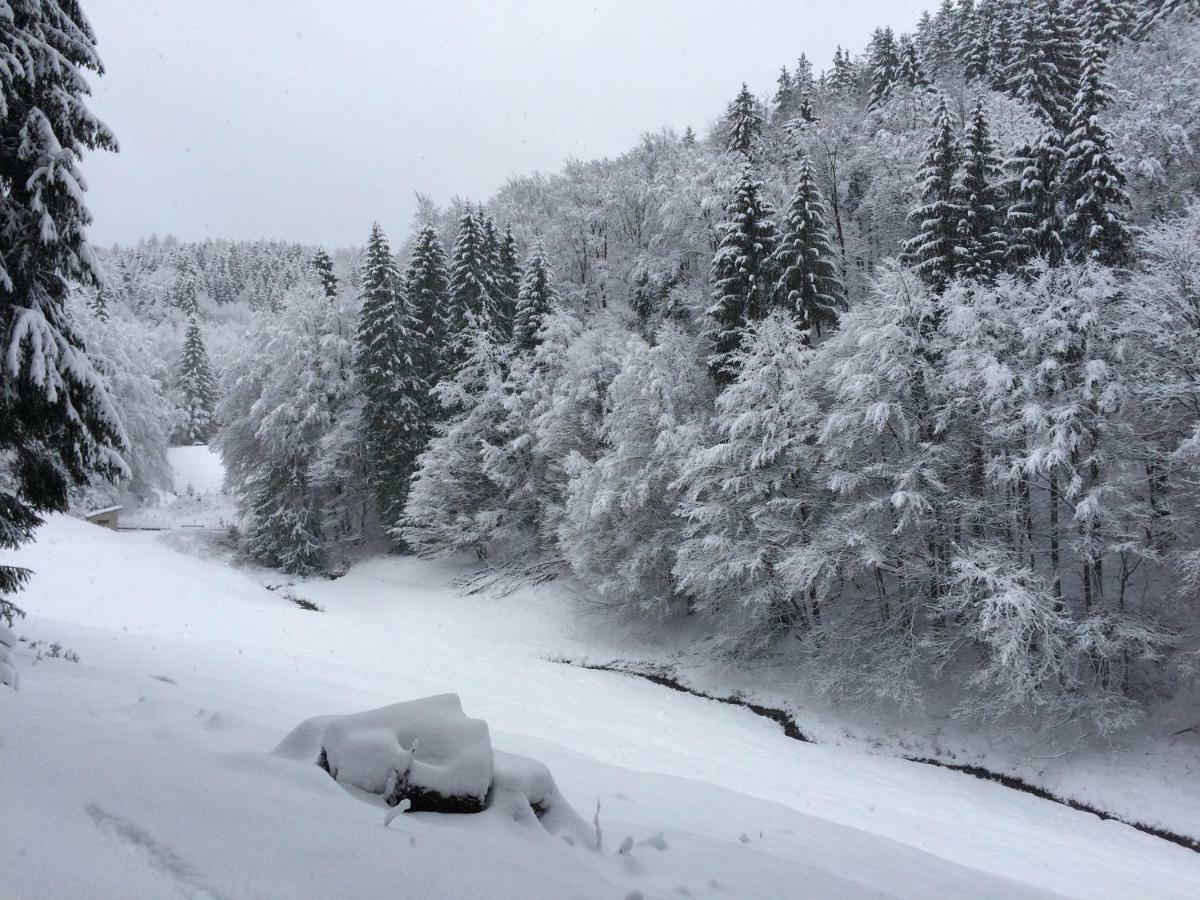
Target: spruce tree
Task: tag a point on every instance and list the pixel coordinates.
(843, 77)
(323, 266)
(805, 111)
(741, 271)
(471, 289)
(58, 426)
(535, 299)
(427, 287)
(389, 350)
(808, 286)
(508, 282)
(1034, 218)
(689, 138)
(932, 252)
(983, 248)
(803, 81)
(743, 123)
(1045, 67)
(197, 387)
(911, 71)
(884, 61)
(785, 94)
(1093, 183)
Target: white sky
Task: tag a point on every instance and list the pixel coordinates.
(306, 119)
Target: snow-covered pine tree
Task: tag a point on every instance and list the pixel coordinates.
(911, 72)
(536, 299)
(1034, 218)
(1092, 179)
(185, 293)
(427, 287)
(392, 370)
(974, 47)
(932, 252)
(884, 62)
(689, 138)
(323, 266)
(808, 285)
(743, 123)
(843, 77)
(471, 289)
(1045, 67)
(197, 387)
(785, 94)
(742, 273)
(508, 282)
(983, 248)
(803, 81)
(804, 112)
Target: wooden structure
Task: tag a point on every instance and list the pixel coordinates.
(107, 517)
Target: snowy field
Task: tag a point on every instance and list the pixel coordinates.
(144, 769)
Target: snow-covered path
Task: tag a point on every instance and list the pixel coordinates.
(142, 769)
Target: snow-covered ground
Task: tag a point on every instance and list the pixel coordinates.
(144, 768)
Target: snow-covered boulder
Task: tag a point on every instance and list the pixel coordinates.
(425, 751)
(8, 667)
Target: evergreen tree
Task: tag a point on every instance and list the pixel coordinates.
(803, 81)
(743, 123)
(427, 287)
(808, 287)
(1034, 219)
(974, 49)
(197, 387)
(689, 138)
(185, 293)
(785, 94)
(983, 249)
(843, 78)
(392, 379)
(1093, 183)
(932, 252)
(1045, 67)
(805, 111)
(508, 282)
(911, 71)
(471, 289)
(535, 299)
(742, 272)
(323, 266)
(884, 61)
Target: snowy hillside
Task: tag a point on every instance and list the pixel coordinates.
(143, 769)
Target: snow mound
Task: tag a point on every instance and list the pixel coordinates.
(524, 789)
(425, 751)
(8, 667)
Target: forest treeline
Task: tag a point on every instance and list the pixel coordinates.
(890, 374)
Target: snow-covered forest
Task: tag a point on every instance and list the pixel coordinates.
(886, 379)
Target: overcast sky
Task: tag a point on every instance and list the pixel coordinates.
(305, 120)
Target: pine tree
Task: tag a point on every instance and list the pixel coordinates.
(803, 81)
(911, 71)
(508, 282)
(743, 123)
(843, 78)
(471, 289)
(1034, 220)
(741, 271)
(1001, 46)
(185, 293)
(808, 287)
(785, 94)
(1045, 67)
(805, 111)
(932, 252)
(389, 356)
(689, 138)
(884, 62)
(535, 299)
(1093, 183)
(197, 387)
(975, 48)
(427, 287)
(323, 266)
(983, 249)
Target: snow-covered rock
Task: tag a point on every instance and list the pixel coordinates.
(8, 668)
(425, 751)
